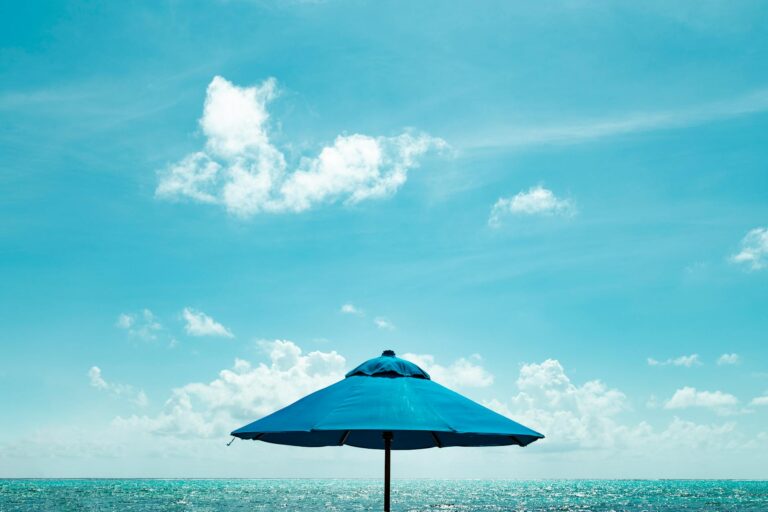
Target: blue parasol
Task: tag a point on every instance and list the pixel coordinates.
(387, 403)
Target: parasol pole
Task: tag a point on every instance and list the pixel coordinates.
(387, 459)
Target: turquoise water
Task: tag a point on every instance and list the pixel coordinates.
(408, 495)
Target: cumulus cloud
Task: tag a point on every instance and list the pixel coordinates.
(688, 434)
(246, 391)
(350, 309)
(572, 415)
(687, 361)
(143, 325)
(534, 201)
(244, 172)
(686, 397)
(588, 416)
(200, 324)
(96, 380)
(760, 400)
(462, 373)
(754, 249)
(242, 393)
(584, 417)
(727, 359)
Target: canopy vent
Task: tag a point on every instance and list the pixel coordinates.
(389, 365)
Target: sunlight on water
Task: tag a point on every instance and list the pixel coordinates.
(358, 495)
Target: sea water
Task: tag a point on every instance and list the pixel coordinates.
(407, 495)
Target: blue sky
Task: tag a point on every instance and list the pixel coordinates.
(559, 209)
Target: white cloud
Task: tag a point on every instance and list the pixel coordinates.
(242, 170)
(97, 381)
(246, 392)
(144, 325)
(760, 400)
(124, 321)
(383, 323)
(462, 373)
(200, 324)
(195, 176)
(141, 398)
(687, 361)
(686, 397)
(190, 430)
(570, 415)
(379, 321)
(754, 249)
(727, 359)
(587, 417)
(242, 393)
(688, 434)
(534, 201)
(350, 309)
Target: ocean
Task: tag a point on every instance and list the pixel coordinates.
(358, 495)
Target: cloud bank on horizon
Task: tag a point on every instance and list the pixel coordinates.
(587, 419)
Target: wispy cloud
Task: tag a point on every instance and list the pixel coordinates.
(243, 171)
(754, 250)
(351, 309)
(96, 380)
(760, 400)
(728, 359)
(200, 324)
(379, 321)
(144, 325)
(125, 321)
(593, 129)
(687, 361)
(383, 323)
(534, 201)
